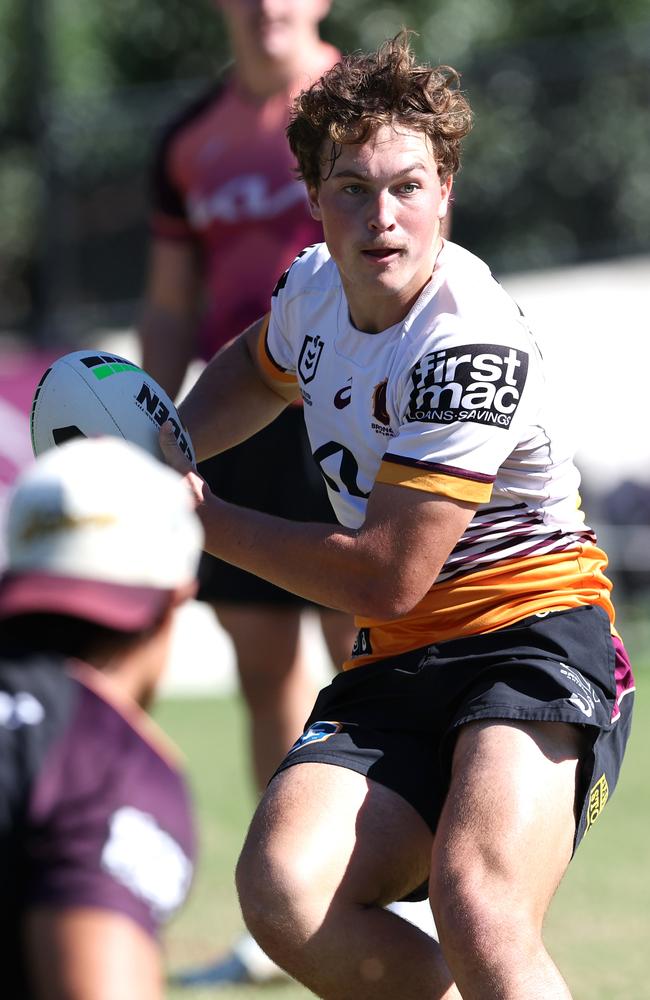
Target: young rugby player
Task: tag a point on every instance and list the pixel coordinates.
(479, 727)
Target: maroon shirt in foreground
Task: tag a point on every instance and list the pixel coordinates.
(93, 811)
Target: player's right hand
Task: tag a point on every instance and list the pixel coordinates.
(181, 463)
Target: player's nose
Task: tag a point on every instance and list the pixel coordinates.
(381, 213)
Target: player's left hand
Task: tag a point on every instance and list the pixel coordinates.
(180, 462)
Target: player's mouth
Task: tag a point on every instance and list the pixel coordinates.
(383, 255)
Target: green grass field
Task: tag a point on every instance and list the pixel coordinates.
(598, 928)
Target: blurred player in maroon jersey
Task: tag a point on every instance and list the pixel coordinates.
(228, 216)
(96, 834)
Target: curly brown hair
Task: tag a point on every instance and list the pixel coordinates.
(366, 90)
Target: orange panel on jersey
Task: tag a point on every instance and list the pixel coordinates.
(474, 603)
(446, 485)
(266, 362)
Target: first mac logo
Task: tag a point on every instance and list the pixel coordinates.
(310, 353)
(482, 383)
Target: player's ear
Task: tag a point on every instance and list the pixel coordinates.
(445, 187)
(314, 203)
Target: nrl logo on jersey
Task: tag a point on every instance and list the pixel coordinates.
(482, 383)
(310, 353)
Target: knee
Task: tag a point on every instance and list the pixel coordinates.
(481, 919)
(273, 896)
(256, 882)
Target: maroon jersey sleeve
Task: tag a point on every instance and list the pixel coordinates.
(169, 218)
(109, 820)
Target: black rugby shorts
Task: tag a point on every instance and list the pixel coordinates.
(395, 721)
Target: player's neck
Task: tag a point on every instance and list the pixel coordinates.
(131, 675)
(261, 79)
(371, 313)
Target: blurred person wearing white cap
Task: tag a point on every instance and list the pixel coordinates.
(96, 831)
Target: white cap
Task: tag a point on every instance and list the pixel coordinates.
(100, 530)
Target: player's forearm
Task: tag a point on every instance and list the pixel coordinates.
(328, 564)
(167, 343)
(382, 570)
(229, 402)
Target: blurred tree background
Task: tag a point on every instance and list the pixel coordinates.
(556, 169)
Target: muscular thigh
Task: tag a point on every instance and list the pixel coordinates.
(509, 823)
(323, 831)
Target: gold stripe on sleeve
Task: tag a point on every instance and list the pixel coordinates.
(434, 482)
(267, 364)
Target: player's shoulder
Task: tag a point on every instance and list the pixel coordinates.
(63, 714)
(469, 298)
(464, 273)
(468, 276)
(191, 112)
(36, 696)
(37, 701)
(312, 270)
(143, 745)
(464, 314)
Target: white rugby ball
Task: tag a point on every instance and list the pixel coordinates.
(92, 393)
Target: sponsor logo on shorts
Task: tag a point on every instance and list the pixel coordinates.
(584, 698)
(482, 383)
(585, 707)
(318, 732)
(362, 645)
(598, 797)
(310, 354)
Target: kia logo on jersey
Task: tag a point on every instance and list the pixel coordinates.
(482, 383)
(244, 198)
(310, 353)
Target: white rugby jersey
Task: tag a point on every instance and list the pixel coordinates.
(451, 400)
